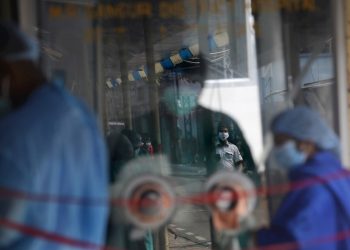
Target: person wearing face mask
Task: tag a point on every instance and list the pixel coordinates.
(51, 147)
(315, 213)
(227, 153)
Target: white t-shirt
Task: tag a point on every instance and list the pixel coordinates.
(229, 155)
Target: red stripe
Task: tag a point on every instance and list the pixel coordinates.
(53, 237)
(305, 244)
(88, 245)
(202, 198)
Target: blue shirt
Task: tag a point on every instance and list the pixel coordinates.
(316, 215)
(51, 148)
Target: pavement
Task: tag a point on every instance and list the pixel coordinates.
(189, 228)
(188, 170)
(179, 241)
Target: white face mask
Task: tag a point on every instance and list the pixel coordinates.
(5, 102)
(223, 136)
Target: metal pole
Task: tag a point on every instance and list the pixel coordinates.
(271, 54)
(206, 118)
(125, 82)
(203, 30)
(99, 86)
(232, 31)
(342, 84)
(159, 237)
(28, 16)
(153, 92)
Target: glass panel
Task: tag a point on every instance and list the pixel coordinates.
(296, 64)
(185, 89)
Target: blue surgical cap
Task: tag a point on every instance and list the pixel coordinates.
(15, 45)
(304, 124)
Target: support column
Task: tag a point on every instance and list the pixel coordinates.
(127, 112)
(153, 91)
(341, 15)
(28, 16)
(99, 95)
(8, 10)
(272, 81)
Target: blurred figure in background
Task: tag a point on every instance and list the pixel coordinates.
(51, 147)
(228, 154)
(136, 141)
(123, 148)
(120, 152)
(148, 145)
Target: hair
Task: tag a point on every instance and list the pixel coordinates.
(222, 125)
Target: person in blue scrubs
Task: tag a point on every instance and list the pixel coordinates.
(53, 169)
(315, 213)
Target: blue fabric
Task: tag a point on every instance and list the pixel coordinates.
(185, 54)
(212, 43)
(167, 63)
(52, 146)
(136, 75)
(149, 241)
(316, 217)
(305, 124)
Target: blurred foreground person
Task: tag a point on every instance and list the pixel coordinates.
(53, 173)
(315, 214)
